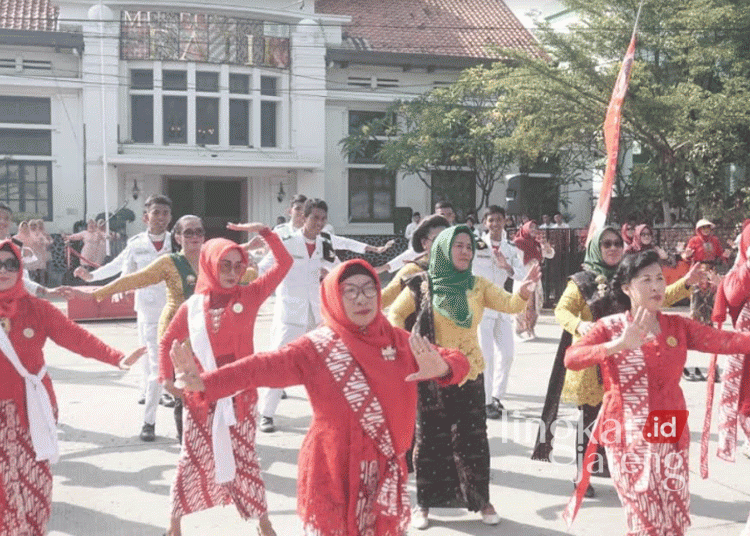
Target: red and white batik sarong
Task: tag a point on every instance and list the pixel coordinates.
(651, 479)
(382, 504)
(729, 412)
(25, 484)
(195, 486)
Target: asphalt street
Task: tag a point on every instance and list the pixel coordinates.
(108, 482)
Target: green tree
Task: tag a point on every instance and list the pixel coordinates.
(688, 105)
(457, 128)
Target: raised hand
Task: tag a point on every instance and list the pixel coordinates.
(385, 247)
(83, 273)
(128, 361)
(247, 227)
(695, 274)
(186, 370)
(529, 282)
(431, 364)
(501, 261)
(637, 332)
(70, 293)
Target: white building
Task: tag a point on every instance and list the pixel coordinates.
(229, 107)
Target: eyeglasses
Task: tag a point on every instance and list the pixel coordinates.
(352, 292)
(226, 267)
(10, 265)
(196, 232)
(645, 234)
(606, 244)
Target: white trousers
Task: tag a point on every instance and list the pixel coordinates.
(496, 342)
(148, 337)
(281, 334)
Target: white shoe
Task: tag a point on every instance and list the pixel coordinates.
(419, 519)
(490, 518)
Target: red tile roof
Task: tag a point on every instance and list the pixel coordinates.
(28, 15)
(437, 27)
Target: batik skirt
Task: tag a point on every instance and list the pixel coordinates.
(25, 483)
(451, 452)
(195, 487)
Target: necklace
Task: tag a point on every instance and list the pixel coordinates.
(215, 315)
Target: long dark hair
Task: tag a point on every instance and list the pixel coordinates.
(628, 270)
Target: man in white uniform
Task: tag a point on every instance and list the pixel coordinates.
(297, 220)
(142, 250)
(409, 231)
(297, 307)
(496, 259)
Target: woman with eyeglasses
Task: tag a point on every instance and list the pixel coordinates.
(451, 452)
(643, 239)
(360, 374)
(178, 271)
(218, 464)
(587, 298)
(421, 242)
(28, 408)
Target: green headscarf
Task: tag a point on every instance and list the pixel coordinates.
(449, 286)
(594, 261)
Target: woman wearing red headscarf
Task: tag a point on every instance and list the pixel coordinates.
(218, 464)
(28, 409)
(643, 238)
(733, 297)
(535, 248)
(360, 374)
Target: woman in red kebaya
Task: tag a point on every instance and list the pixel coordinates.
(535, 248)
(704, 248)
(218, 463)
(360, 374)
(641, 354)
(28, 409)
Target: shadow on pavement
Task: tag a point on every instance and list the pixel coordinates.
(76, 520)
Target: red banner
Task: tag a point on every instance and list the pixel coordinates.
(612, 140)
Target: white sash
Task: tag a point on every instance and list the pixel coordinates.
(42, 426)
(224, 416)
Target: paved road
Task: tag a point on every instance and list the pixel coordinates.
(108, 482)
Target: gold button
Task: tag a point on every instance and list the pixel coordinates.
(237, 308)
(28, 333)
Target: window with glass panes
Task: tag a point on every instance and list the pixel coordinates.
(26, 144)
(231, 106)
(372, 190)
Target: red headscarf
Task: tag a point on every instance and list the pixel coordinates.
(635, 245)
(366, 347)
(9, 298)
(624, 232)
(208, 278)
(527, 243)
(721, 307)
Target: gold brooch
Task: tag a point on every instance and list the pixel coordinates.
(389, 353)
(671, 341)
(28, 333)
(5, 323)
(237, 308)
(190, 279)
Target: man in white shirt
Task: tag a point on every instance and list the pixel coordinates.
(546, 222)
(559, 222)
(445, 209)
(297, 220)
(496, 259)
(297, 306)
(141, 250)
(409, 231)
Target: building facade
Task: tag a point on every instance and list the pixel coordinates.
(228, 107)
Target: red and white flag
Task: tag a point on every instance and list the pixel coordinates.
(612, 139)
